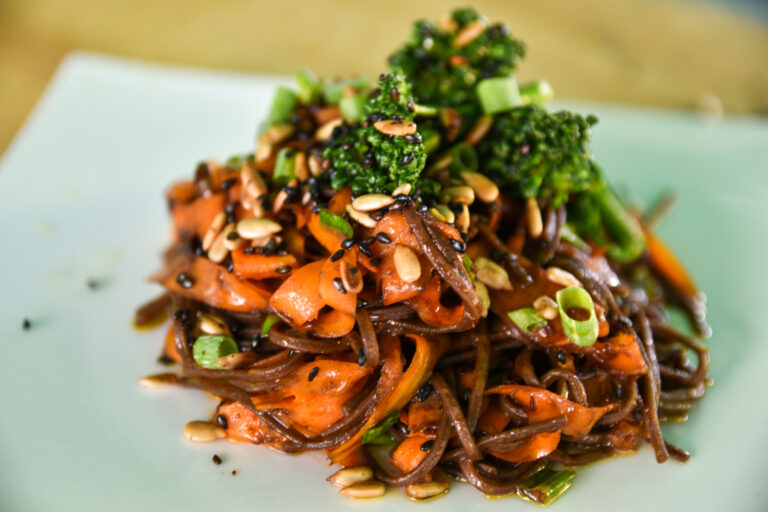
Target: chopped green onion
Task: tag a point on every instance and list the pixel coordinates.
(580, 332)
(498, 94)
(285, 167)
(208, 349)
(237, 161)
(332, 220)
(536, 93)
(546, 485)
(268, 323)
(282, 106)
(379, 433)
(622, 226)
(333, 92)
(424, 110)
(309, 86)
(569, 235)
(464, 158)
(430, 138)
(527, 319)
(468, 266)
(353, 107)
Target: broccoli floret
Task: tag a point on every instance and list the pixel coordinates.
(445, 73)
(368, 160)
(536, 154)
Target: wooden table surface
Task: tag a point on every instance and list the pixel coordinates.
(669, 53)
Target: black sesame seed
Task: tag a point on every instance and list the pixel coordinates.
(375, 262)
(222, 422)
(402, 198)
(26, 324)
(362, 303)
(427, 445)
(424, 392)
(361, 358)
(339, 285)
(229, 264)
(184, 280)
(383, 238)
(368, 241)
(349, 242)
(560, 356)
(283, 270)
(337, 255)
(216, 459)
(407, 158)
(465, 237)
(364, 249)
(313, 373)
(227, 184)
(460, 247)
(232, 236)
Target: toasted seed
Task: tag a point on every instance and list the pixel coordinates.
(485, 190)
(237, 360)
(443, 213)
(546, 307)
(461, 194)
(371, 202)
(427, 490)
(325, 131)
(300, 169)
(213, 230)
(371, 489)
(218, 250)
(159, 380)
(562, 277)
(211, 324)
(315, 165)
(462, 219)
(279, 132)
(264, 148)
(282, 196)
(263, 241)
(252, 186)
(407, 264)
(483, 297)
(233, 241)
(479, 130)
(351, 277)
(392, 127)
(202, 432)
(351, 476)
(404, 189)
(535, 224)
(361, 217)
(491, 274)
(469, 33)
(253, 228)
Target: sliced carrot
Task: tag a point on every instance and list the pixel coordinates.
(259, 266)
(669, 267)
(340, 200)
(494, 419)
(298, 298)
(625, 436)
(169, 348)
(194, 219)
(182, 192)
(394, 225)
(621, 353)
(328, 237)
(213, 285)
(244, 426)
(340, 299)
(332, 377)
(394, 289)
(332, 324)
(409, 454)
(431, 311)
(422, 415)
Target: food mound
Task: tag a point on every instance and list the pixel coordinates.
(429, 279)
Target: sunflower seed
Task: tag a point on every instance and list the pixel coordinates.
(213, 230)
(486, 190)
(325, 131)
(315, 165)
(535, 224)
(462, 219)
(361, 218)
(461, 194)
(218, 250)
(443, 213)
(479, 130)
(546, 307)
(300, 169)
(491, 274)
(563, 277)
(351, 476)
(483, 297)
(392, 127)
(254, 228)
(372, 489)
(202, 432)
(404, 189)
(427, 490)
(371, 202)
(210, 324)
(159, 380)
(407, 264)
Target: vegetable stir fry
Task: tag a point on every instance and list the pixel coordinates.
(429, 279)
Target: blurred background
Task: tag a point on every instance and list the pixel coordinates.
(705, 55)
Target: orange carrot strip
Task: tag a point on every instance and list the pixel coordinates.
(669, 267)
(328, 237)
(332, 324)
(340, 200)
(344, 301)
(182, 192)
(408, 453)
(298, 298)
(194, 219)
(431, 311)
(259, 266)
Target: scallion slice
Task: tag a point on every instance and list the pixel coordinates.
(285, 167)
(282, 106)
(268, 323)
(464, 158)
(332, 220)
(536, 93)
(546, 485)
(580, 332)
(353, 107)
(379, 433)
(498, 94)
(468, 266)
(333, 92)
(210, 348)
(527, 319)
(308, 85)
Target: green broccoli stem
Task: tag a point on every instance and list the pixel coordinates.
(621, 225)
(536, 93)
